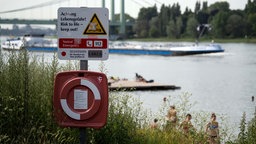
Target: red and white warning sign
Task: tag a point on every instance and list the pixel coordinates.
(83, 33)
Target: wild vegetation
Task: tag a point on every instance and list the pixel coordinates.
(26, 91)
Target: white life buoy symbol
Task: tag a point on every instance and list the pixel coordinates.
(89, 112)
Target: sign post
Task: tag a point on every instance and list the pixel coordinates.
(83, 131)
(82, 35)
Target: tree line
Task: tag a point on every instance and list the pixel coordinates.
(217, 19)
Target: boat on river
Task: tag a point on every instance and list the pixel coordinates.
(164, 50)
(32, 42)
(37, 42)
(168, 49)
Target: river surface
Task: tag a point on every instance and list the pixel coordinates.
(223, 83)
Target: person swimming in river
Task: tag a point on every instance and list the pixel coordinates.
(212, 129)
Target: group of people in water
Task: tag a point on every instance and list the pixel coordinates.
(211, 128)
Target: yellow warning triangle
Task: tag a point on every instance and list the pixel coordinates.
(95, 27)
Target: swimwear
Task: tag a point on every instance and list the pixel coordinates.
(213, 137)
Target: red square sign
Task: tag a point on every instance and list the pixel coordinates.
(81, 99)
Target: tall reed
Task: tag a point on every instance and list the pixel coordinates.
(26, 90)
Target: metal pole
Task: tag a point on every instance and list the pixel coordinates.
(113, 10)
(83, 138)
(122, 18)
(82, 135)
(103, 3)
(83, 64)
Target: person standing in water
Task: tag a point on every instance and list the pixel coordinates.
(212, 129)
(154, 125)
(172, 114)
(186, 125)
(171, 117)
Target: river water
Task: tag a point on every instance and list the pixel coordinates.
(223, 83)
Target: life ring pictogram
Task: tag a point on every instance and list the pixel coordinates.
(70, 86)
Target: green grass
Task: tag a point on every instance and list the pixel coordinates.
(26, 91)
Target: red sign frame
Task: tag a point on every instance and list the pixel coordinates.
(80, 99)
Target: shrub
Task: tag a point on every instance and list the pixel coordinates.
(247, 132)
(26, 90)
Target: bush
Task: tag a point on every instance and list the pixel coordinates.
(26, 90)
(247, 134)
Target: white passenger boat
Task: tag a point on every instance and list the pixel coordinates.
(32, 42)
(13, 44)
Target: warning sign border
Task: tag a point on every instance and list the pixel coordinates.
(85, 31)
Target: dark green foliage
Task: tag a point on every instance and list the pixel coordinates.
(122, 122)
(225, 23)
(26, 95)
(243, 134)
(144, 17)
(247, 134)
(251, 133)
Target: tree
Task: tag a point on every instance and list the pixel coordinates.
(205, 6)
(218, 23)
(252, 24)
(220, 6)
(250, 7)
(154, 31)
(164, 17)
(179, 26)
(235, 26)
(250, 10)
(142, 25)
(242, 136)
(186, 15)
(191, 27)
(197, 7)
(173, 29)
(202, 17)
(170, 29)
(252, 129)
(175, 11)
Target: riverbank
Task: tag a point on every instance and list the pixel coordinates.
(26, 104)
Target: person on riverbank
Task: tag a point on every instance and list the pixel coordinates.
(186, 125)
(171, 118)
(154, 125)
(212, 129)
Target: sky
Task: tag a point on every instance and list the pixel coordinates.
(132, 7)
